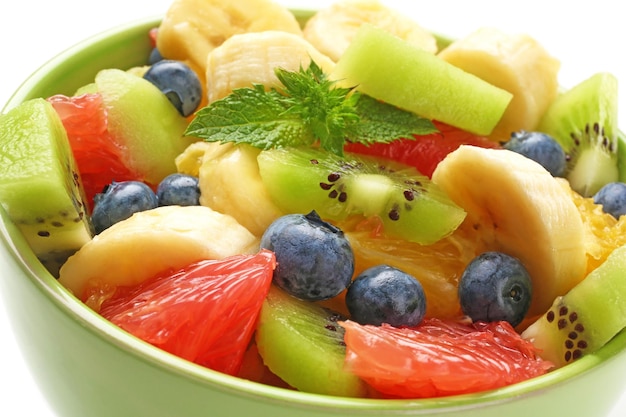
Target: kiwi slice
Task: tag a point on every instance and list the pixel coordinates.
(587, 317)
(584, 121)
(40, 187)
(390, 69)
(409, 204)
(302, 343)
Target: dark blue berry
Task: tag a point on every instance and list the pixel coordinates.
(155, 56)
(314, 259)
(119, 201)
(541, 148)
(178, 82)
(384, 294)
(612, 197)
(494, 287)
(178, 190)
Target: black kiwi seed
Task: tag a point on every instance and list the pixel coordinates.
(572, 330)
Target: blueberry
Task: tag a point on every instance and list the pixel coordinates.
(384, 294)
(178, 190)
(494, 287)
(612, 197)
(541, 148)
(314, 259)
(178, 82)
(155, 56)
(119, 201)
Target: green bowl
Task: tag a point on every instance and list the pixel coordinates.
(86, 366)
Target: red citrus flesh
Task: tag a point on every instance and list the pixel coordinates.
(426, 151)
(98, 156)
(205, 313)
(439, 358)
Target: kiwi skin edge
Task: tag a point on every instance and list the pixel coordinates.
(621, 155)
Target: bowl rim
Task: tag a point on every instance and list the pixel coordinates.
(64, 300)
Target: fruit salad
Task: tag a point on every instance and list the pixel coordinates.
(272, 203)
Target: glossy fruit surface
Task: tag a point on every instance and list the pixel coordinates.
(384, 294)
(162, 385)
(439, 358)
(178, 189)
(612, 197)
(120, 200)
(494, 287)
(424, 152)
(178, 82)
(97, 155)
(541, 148)
(315, 260)
(205, 313)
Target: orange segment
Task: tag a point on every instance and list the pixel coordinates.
(438, 267)
(603, 233)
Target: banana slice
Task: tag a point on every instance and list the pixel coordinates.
(252, 57)
(331, 29)
(192, 28)
(516, 63)
(522, 210)
(150, 242)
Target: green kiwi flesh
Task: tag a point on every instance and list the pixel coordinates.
(587, 317)
(40, 187)
(408, 203)
(584, 121)
(389, 69)
(302, 343)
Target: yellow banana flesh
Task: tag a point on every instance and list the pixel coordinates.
(331, 29)
(150, 242)
(519, 208)
(516, 63)
(251, 58)
(242, 196)
(192, 28)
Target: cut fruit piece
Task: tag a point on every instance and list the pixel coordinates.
(516, 63)
(302, 343)
(40, 186)
(148, 243)
(588, 316)
(437, 266)
(389, 69)
(205, 312)
(242, 196)
(192, 28)
(143, 123)
(520, 209)
(332, 28)
(423, 152)
(99, 158)
(603, 232)
(410, 206)
(252, 58)
(439, 358)
(584, 121)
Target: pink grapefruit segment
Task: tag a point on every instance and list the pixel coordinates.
(98, 156)
(426, 151)
(205, 313)
(439, 358)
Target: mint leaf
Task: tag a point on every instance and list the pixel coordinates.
(308, 109)
(383, 123)
(253, 116)
(323, 107)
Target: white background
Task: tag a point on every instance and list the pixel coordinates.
(586, 37)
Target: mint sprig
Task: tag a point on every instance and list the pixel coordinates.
(309, 108)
